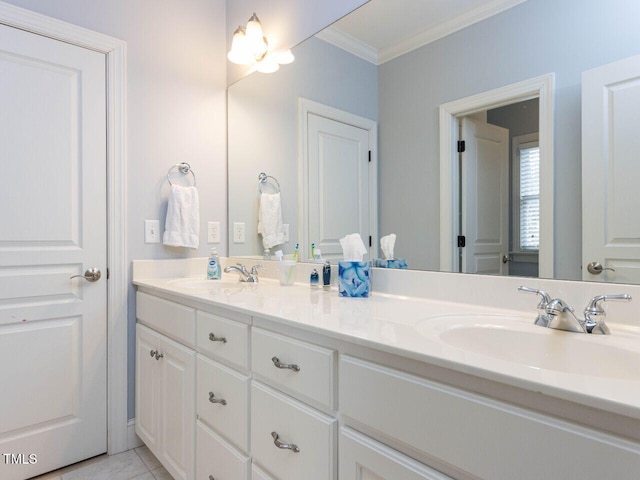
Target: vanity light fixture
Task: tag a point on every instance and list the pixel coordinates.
(250, 47)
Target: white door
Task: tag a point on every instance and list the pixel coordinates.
(485, 198)
(610, 171)
(338, 184)
(52, 226)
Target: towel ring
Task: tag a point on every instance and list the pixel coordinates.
(263, 179)
(183, 168)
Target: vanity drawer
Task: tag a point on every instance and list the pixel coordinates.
(313, 382)
(294, 423)
(230, 419)
(258, 474)
(223, 339)
(170, 318)
(470, 432)
(216, 458)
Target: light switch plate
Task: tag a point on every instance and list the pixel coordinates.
(152, 231)
(238, 232)
(213, 232)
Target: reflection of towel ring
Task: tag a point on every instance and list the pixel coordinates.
(264, 180)
(183, 168)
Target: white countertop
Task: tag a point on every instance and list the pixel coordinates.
(410, 327)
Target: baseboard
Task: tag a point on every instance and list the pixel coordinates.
(133, 441)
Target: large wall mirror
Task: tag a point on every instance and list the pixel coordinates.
(358, 66)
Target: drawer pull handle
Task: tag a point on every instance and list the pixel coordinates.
(213, 399)
(290, 366)
(157, 354)
(213, 338)
(284, 446)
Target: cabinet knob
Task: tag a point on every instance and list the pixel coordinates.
(211, 477)
(290, 366)
(213, 338)
(159, 355)
(213, 399)
(152, 353)
(285, 446)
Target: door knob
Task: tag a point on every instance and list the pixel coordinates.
(90, 275)
(507, 259)
(596, 268)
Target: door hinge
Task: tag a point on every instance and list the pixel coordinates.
(107, 274)
(369, 156)
(370, 241)
(462, 241)
(461, 146)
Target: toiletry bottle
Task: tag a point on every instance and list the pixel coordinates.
(326, 276)
(213, 267)
(314, 280)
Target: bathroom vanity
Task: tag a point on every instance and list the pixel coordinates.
(238, 381)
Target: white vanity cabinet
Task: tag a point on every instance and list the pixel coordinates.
(470, 432)
(165, 382)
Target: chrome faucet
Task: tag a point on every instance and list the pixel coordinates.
(555, 313)
(245, 276)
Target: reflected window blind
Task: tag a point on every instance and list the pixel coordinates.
(530, 199)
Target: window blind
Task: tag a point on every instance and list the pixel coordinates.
(530, 199)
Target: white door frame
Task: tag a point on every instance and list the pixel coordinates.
(118, 277)
(305, 107)
(541, 87)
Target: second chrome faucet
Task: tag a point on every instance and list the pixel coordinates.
(555, 313)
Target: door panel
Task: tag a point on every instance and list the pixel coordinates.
(338, 184)
(610, 171)
(485, 197)
(52, 328)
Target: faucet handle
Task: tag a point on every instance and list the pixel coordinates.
(595, 315)
(594, 303)
(545, 298)
(242, 268)
(254, 269)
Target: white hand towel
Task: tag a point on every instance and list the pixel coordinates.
(182, 226)
(270, 220)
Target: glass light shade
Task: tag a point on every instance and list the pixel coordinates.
(284, 58)
(255, 38)
(267, 65)
(239, 52)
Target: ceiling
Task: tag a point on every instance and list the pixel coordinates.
(382, 30)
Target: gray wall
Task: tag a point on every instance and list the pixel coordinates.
(534, 38)
(263, 127)
(176, 82)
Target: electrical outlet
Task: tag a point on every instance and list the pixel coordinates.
(213, 232)
(152, 231)
(238, 232)
(285, 227)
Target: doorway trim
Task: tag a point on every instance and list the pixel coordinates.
(541, 87)
(118, 274)
(305, 107)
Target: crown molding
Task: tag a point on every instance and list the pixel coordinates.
(351, 44)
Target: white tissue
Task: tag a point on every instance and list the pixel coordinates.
(353, 248)
(386, 244)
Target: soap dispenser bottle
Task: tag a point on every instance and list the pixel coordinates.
(326, 276)
(213, 267)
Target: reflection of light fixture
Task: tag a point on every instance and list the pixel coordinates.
(250, 47)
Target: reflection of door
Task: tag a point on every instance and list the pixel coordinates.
(337, 184)
(610, 171)
(52, 328)
(485, 197)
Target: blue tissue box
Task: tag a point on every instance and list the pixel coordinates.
(400, 263)
(354, 279)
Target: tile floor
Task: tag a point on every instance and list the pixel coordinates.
(137, 464)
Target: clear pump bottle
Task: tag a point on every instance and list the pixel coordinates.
(213, 266)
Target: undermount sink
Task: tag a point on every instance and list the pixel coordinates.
(513, 340)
